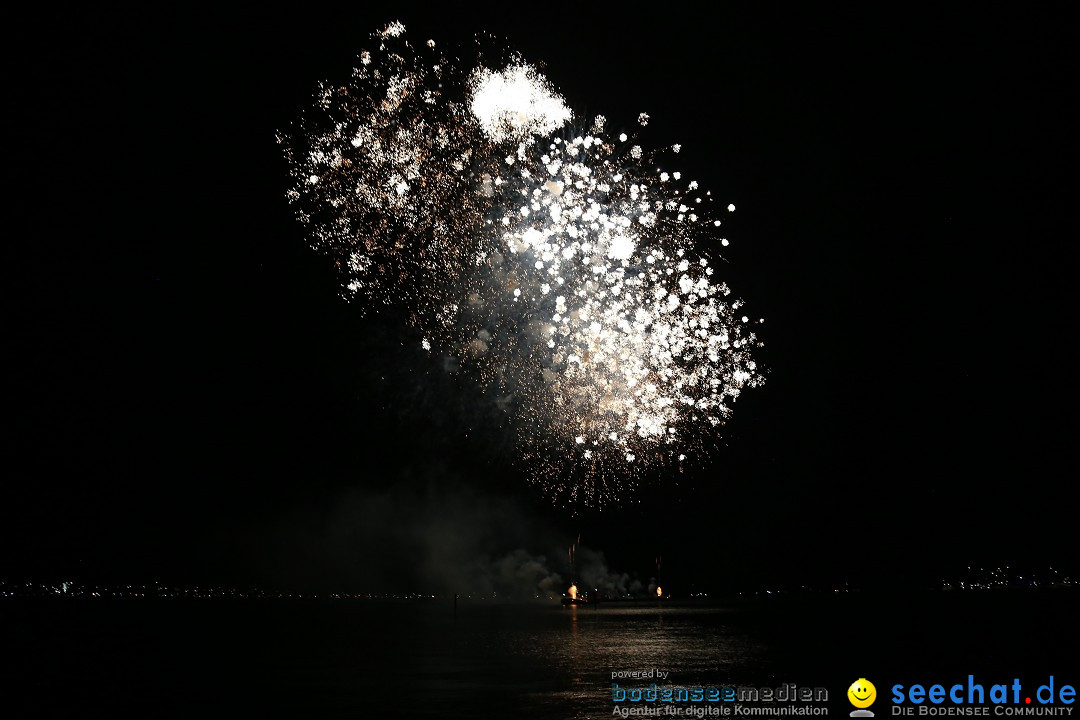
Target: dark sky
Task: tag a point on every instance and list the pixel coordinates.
(189, 398)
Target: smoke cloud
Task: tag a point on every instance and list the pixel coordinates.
(432, 535)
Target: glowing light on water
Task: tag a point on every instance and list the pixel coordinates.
(558, 269)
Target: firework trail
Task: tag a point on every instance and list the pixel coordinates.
(557, 267)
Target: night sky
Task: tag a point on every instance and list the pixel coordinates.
(189, 398)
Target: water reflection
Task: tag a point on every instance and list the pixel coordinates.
(573, 651)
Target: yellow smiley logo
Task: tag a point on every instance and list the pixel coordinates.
(862, 693)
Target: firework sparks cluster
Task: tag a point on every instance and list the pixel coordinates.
(556, 266)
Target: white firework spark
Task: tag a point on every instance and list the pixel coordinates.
(516, 102)
(551, 265)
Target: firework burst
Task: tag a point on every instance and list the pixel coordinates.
(557, 270)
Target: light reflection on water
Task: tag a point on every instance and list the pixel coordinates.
(359, 659)
(695, 645)
(558, 662)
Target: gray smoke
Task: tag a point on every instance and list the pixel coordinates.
(592, 573)
(431, 535)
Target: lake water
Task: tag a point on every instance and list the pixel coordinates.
(356, 659)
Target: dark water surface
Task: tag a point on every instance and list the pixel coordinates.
(353, 658)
